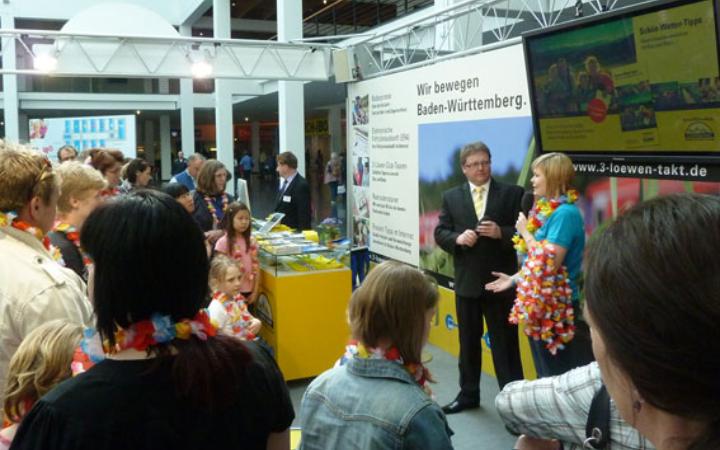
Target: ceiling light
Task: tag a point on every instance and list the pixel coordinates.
(201, 69)
(137, 112)
(45, 62)
(247, 119)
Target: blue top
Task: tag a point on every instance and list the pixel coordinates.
(371, 404)
(185, 179)
(565, 227)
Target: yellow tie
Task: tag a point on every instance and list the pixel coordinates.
(479, 200)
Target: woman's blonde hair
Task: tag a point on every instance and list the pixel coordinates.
(41, 362)
(24, 174)
(392, 304)
(219, 267)
(558, 170)
(76, 180)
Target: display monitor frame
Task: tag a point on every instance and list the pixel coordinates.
(665, 155)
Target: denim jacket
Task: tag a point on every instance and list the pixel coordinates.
(371, 404)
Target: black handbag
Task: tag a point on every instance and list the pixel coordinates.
(597, 428)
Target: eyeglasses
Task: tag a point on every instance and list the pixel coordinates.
(475, 165)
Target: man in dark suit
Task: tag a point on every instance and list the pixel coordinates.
(293, 198)
(476, 227)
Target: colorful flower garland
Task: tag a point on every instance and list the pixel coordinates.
(141, 335)
(237, 310)
(11, 218)
(255, 262)
(541, 212)
(73, 236)
(544, 299)
(110, 192)
(213, 211)
(418, 371)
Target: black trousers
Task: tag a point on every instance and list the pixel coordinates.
(503, 341)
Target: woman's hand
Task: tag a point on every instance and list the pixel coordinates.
(521, 224)
(503, 282)
(213, 235)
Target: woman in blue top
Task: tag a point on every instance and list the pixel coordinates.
(553, 237)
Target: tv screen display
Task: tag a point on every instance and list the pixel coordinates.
(642, 82)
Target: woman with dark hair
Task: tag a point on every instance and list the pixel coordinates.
(211, 200)
(137, 175)
(167, 380)
(653, 303)
(181, 194)
(109, 162)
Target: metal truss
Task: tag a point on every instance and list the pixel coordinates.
(97, 55)
(468, 27)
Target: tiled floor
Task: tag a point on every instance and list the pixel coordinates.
(475, 429)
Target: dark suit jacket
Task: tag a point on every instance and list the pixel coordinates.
(297, 208)
(202, 214)
(474, 264)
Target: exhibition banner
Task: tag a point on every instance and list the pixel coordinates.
(117, 132)
(404, 138)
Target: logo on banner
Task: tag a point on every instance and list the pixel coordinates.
(450, 322)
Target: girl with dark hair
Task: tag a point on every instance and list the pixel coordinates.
(181, 194)
(653, 304)
(160, 359)
(239, 244)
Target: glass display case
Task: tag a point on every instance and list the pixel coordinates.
(286, 253)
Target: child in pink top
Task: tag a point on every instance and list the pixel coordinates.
(238, 244)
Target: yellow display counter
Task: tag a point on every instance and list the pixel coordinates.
(444, 334)
(304, 318)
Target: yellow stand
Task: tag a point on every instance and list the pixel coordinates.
(304, 319)
(444, 334)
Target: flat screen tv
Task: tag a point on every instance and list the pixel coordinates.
(636, 84)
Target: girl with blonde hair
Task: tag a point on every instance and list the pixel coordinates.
(41, 362)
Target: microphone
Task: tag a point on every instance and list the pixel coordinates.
(526, 203)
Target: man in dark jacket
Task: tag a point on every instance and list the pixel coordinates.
(476, 227)
(293, 197)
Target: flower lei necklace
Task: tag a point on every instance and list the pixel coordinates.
(543, 301)
(541, 212)
(418, 371)
(141, 335)
(238, 314)
(73, 236)
(110, 192)
(237, 254)
(11, 218)
(213, 211)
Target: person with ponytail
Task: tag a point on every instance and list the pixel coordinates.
(378, 394)
(652, 290)
(158, 357)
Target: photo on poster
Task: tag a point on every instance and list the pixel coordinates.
(439, 145)
(360, 110)
(361, 203)
(361, 232)
(361, 171)
(360, 144)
